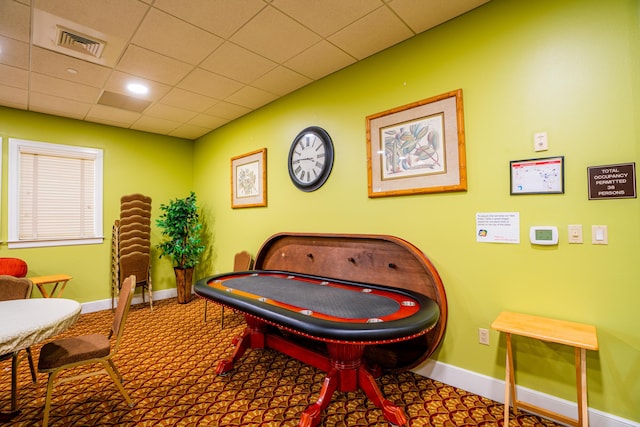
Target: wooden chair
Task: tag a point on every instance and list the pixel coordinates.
(16, 288)
(71, 352)
(138, 263)
(242, 261)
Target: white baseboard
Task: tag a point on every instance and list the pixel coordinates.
(493, 389)
(105, 304)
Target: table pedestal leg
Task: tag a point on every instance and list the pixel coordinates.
(252, 337)
(349, 374)
(344, 367)
(393, 413)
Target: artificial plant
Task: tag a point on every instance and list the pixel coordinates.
(181, 227)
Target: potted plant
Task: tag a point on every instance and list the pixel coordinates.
(181, 228)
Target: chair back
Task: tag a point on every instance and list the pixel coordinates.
(136, 264)
(15, 288)
(124, 303)
(243, 261)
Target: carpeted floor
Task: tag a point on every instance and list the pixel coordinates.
(168, 359)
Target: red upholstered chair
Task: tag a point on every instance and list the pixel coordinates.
(16, 288)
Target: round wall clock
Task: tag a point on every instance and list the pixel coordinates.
(310, 158)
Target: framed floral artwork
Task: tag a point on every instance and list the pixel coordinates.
(249, 179)
(417, 148)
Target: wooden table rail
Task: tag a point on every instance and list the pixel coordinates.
(580, 336)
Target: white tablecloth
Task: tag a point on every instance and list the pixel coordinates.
(26, 322)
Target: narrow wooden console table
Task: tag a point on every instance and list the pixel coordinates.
(57, 279)
(580, 336)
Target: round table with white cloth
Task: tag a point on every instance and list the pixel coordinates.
(25, 322)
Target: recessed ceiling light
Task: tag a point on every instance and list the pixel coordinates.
(137, 88)
(72, 71)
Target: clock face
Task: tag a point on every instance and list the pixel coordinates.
(310, 158)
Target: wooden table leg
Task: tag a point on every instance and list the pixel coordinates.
(392, 413)
(312, 416)
(509, 381)
(253, 336)
(581, 385)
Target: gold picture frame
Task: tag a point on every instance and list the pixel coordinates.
(417, 148)
(249, 179)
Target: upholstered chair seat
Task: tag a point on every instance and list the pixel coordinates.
(73, 349)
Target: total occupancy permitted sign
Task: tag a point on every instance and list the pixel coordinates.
(612, 181)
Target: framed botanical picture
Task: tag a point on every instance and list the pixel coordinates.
(537, 176)
(249, 179)
(417, 148)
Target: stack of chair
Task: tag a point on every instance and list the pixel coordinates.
(131, 245)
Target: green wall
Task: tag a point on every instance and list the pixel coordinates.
(569, 68)
(134, 162)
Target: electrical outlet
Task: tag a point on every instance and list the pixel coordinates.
(483, 336)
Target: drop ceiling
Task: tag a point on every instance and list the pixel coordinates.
(206, 62)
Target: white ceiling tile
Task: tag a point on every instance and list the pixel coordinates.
(43, 83)
(14, 77)
(15, 20)
(118, 82)
(145, 63)
(228, 111)
(14, 52)
(188, 100)
(188, 131)
(251, 97)
(233, 61)
(55, 64)
(327, 16)
(281, 81)
(109, 115)
(170, 36)
(118, 18)
(362, 38)
(274, 35)
(155, 125)
(220, 17)
(320, 60)
(209, 84)
(168, 112)
(14, 97)
(44, 103)
(207, 62)
(421, 15)
(207, 121)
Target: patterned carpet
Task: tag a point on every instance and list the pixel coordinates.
(168, 359)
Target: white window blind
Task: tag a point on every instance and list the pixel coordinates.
(55, 194)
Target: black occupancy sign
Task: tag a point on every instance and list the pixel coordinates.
(612, 181)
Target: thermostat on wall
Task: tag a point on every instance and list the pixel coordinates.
(543, 235)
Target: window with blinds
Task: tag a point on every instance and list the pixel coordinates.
(55, 194)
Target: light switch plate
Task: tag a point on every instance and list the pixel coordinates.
(599, 235)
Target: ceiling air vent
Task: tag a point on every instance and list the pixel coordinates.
(79, 42)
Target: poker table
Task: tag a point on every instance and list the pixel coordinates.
(352, 329)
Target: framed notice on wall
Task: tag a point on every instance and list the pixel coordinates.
(538, 176)
(612, 181)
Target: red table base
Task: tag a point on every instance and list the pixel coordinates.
(344, 366)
